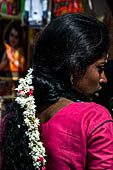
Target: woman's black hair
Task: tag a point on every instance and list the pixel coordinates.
(16, 26)
(14, 145)
(68, 45)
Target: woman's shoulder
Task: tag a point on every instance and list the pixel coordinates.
(87, 115)
(87, 112)
(88, 106)
(75, 112)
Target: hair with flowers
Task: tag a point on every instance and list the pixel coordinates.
(27, 130)
(26, 100)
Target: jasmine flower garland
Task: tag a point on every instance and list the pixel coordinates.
(26, 100)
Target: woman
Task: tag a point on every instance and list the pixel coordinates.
(68, 69)
(13, 59)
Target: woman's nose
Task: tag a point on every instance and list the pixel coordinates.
(103, 78)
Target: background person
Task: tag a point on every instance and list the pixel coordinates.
(13, 59)
(69, 60)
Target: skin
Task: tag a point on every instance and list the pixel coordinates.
(14, 38)
(91, 82)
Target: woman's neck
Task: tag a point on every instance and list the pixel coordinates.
(49, 112)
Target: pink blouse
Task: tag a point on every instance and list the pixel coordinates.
(79, 137)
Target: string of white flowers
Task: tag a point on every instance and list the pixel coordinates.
(26, 100)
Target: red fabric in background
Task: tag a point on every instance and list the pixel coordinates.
(66, 6)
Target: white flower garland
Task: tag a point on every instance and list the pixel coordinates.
(26, 100)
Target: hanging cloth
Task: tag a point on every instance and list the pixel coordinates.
(35, 9)
(5, 8)
(66, 6)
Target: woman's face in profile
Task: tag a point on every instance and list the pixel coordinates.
(14, 38)
(90, 83)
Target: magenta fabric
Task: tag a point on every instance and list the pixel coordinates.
(79, 137)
